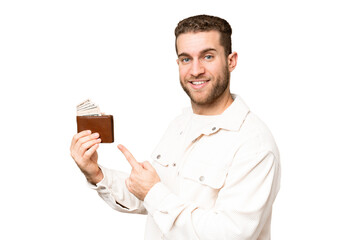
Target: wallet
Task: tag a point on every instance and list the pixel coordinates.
(104, 125)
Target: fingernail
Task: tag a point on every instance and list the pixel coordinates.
(95, 135)
(88, 132)
(99, 139)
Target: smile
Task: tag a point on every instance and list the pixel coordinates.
(199, 84)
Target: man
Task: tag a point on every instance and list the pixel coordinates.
(215, 173)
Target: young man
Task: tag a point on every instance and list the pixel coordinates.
(216, 172)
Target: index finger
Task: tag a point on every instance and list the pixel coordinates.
(80, 135)
(132, 161)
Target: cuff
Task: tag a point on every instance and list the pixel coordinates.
(103, 184)
(155, 197)
(164, 207)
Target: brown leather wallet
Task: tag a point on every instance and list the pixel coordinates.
(104, 125)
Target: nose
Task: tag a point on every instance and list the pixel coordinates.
(197, 68)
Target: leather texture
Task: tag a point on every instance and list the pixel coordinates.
(104, 125)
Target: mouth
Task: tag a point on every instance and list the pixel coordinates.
(197, 84)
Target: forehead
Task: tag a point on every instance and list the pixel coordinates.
(193, 43)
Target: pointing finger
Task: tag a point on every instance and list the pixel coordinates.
(132, 161)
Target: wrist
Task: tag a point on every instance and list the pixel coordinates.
(95, 178)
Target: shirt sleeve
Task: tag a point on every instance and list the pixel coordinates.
(112, 189)
(242, 207)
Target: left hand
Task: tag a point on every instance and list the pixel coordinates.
(143, 175)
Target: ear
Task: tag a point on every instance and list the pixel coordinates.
(232, 60)
(177, 61)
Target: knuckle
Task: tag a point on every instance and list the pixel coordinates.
(81, 140)
(87, 154)
(76, 137)
(127, 182)
(131, 186)
(131, 178)
(73, 154)
(83, 147)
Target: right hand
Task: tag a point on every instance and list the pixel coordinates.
(83, 151)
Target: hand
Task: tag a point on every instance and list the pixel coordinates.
(83, 151)
(142, 177)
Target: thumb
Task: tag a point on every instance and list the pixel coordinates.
(147, 165)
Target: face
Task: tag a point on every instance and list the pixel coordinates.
(203, 67)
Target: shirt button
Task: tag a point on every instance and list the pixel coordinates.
(174, 164)
(158, 156)
(214, 128)
(181, 132)
(201, 178)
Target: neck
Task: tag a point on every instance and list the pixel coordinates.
(215, 108)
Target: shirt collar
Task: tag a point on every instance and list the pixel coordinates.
(231, 119)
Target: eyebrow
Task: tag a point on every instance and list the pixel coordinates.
(184, 54)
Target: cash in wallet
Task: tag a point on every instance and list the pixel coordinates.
(89, 117)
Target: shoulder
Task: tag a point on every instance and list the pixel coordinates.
(180, 120)
(256, 137)
(176, 125)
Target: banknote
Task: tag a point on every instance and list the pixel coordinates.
(88, 108)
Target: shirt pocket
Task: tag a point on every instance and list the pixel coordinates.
(161, 163)
(160, 159)
(205, 174)
(163, 155)
(201, 183)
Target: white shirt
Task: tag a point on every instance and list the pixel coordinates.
(219, 178)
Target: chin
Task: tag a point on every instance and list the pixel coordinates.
(201, 100)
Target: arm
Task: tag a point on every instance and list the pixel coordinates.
(242, 208)
(110, 184)
(112, 189)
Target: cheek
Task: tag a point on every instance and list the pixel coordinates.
(215, 69)
(182, 72)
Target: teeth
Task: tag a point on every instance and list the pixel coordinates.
(198, 83)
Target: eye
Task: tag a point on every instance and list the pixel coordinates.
(185, 60)
(209, 57)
